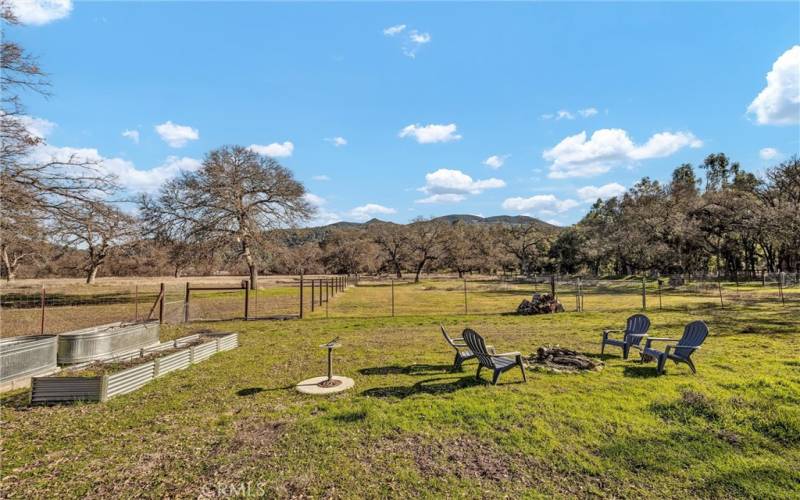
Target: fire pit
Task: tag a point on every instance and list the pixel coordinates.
(540, 303)
(330, 383)
(560, 360)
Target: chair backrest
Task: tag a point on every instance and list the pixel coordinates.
(478, 348)
(638, 324)
(693, 336)
(447, 338)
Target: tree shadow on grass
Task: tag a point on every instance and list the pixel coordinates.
(415, 369)
(434, 386)
(350, 417)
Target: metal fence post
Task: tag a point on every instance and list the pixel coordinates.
(186, 303)
(465, 297)
(660, 282)
(44, 293)
(644, 294)
(393, 298)
(781, 278)
(161, 294)
(301, 295)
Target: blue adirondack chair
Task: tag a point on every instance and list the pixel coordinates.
(693, 336)
(498, 363)
(632, 335)
(462, 350)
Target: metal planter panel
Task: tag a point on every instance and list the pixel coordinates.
(176, 361)
(185, 341)
(27, 356)
(204, 351)
(66, 389)
(164, 346)
(129, 380)
(228, 342)
(105, 341)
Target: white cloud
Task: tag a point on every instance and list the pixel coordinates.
(321, 178)
(546, 204)
(563, 114)
(779, 102)
(36, 127)
(575, 156)
(442, 198)
(132, 135)
(274, 150)
(414, 42)
(769, 153)
(428, 134)
(394, 30)
(606, 191)
(336, 141)
(495, 161)
(38, 12)
(450, 186)
(314, 200)
(176, 135)
(370, 210)
(130, 178)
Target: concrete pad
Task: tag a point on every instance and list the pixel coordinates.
(311, 386)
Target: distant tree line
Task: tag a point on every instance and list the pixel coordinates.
(240, 212)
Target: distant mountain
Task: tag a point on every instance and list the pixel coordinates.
(511, 220)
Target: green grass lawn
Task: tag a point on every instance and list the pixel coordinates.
(411, 427)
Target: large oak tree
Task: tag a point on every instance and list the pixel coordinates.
(235, 198)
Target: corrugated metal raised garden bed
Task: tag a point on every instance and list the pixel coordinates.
(24, 357)
(99, 381)
(105, 341)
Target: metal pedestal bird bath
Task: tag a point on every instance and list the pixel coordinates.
(329, 383)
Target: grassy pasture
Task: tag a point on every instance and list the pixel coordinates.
(411, 427)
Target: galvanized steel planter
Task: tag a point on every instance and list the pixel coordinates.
(105, 341)
(24, 357)
(100, 388)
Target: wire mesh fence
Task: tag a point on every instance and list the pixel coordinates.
(65, 305)
(60, 307)
(489, 295)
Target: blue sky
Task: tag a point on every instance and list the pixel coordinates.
(573, 101)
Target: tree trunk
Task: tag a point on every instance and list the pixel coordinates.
(177, 271)
(419, 270)
(8, 269)
(397, 270)
(92, 274)
(251, 265)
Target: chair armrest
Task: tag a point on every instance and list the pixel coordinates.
(672, 347)
(507, 354)
(662, 339)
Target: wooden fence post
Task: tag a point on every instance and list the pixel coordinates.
(246, 286)
(393, 298)
(320, 292)
(465, 297)
(327, 291)
(313, 298)
(161, 294)
(781, 278)
(136, 304)
(553, 285)
(301, 295)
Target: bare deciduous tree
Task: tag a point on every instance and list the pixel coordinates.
(96, 228)
(235, 198)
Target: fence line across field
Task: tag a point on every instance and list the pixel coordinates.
(57, 309)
